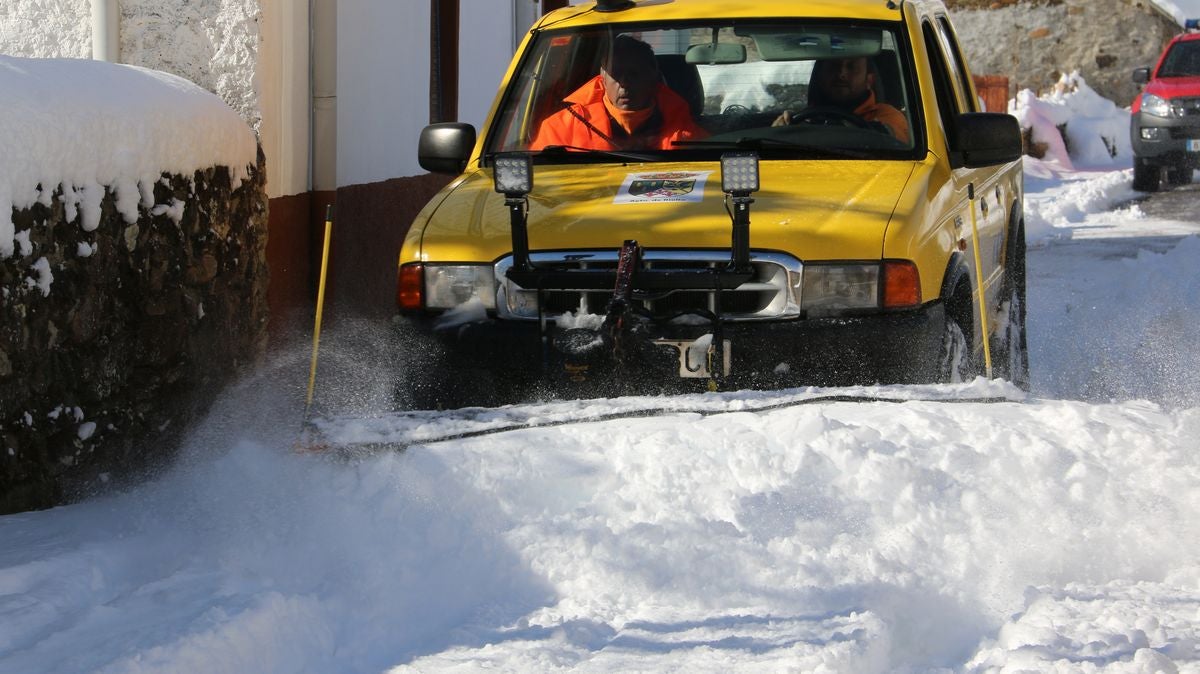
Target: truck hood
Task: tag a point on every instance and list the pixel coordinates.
(834, 209)
(1174, 87)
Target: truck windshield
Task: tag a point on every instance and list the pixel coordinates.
(796, 89)
(1182, 61)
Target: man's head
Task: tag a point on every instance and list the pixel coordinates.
(630, 74)
(844, 82)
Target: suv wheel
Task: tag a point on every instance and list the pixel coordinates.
(1146, 177)
(1012, 353)
(956, 363)
(1012, 362)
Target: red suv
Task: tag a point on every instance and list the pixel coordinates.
(1165, 125)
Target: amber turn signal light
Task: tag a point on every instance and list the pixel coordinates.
(901, 284)
(410, 287)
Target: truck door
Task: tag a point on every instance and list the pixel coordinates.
(955, 94)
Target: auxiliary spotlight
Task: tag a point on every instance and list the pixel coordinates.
(739, 179)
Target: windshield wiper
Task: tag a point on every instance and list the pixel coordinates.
(566, 150)
(774, 144)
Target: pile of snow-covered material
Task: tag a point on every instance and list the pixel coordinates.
(1073, 126)
(1081, 137)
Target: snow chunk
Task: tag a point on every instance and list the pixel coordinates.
(86, 429)
(43, 277)
(468, 312)
(22, 239)
(174, 210)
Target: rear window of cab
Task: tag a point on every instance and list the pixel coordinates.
(738, 80)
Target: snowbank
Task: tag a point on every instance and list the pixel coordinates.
(1097, 131)
(88, 125)
(841, 537)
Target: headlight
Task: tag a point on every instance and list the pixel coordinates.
(1155, 105)
(830, 289)
(447, 286)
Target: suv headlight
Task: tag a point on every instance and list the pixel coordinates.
(1155, 105)
(830, 289)
(835, 289)
(447, 286)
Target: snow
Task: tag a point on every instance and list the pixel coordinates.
(55, 109)
(954, 528)
(1180, 9)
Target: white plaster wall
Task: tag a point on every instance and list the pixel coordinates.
(46, 28)
(485, 48)
(213, 43)
(382, 88)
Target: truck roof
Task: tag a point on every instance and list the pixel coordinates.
(684, 10)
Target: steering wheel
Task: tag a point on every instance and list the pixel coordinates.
(736, 109)
(827, 116)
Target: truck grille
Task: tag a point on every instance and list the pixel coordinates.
(1186, 107)
(772, 293)
(1181, 132)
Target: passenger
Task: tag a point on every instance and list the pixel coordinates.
(848, 85)
(625, 107)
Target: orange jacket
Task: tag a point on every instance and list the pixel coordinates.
(585, 123)
(893, 119)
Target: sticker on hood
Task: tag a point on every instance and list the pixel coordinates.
(658, 186)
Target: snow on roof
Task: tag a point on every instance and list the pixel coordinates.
(90, 124)
(1178, 9)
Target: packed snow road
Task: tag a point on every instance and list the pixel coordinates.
(1058, 531)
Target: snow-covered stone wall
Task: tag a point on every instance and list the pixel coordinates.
(132, 267)
(1034, 43)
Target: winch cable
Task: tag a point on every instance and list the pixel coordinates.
(363, 448)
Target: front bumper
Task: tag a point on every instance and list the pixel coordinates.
(1168, 141)
(496, 361)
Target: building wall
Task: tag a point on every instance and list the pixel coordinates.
(281, 78)
(383, 88)
(213, 43)
(484, 54)
(46, 28)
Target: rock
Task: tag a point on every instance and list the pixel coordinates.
(1033, 42)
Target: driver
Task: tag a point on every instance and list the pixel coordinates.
(625, 107)
(847, 85)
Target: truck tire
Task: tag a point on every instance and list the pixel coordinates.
(1146, 177)
(1011, 352)
(956, 359)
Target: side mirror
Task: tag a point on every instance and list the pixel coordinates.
(1140, 75)
(446, 147)
(986, 139)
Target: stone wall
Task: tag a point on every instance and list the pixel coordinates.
(112, 340)
(1036, 42)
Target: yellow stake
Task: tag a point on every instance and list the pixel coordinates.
(983, 322)
(312, 373)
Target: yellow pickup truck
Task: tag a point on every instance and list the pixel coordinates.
(675, 195)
